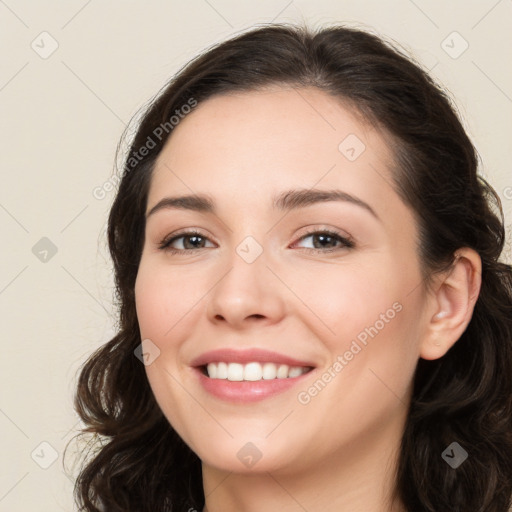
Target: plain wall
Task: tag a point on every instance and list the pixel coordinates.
(62, 114)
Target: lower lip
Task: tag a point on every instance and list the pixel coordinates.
(247, 391)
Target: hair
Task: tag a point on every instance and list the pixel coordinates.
(140, 463)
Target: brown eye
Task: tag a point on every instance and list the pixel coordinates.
(326, 241)
(184, 242)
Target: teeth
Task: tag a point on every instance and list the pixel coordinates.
(222, 371)
(253, 371)
(269, 371)
(295, 371)
(212, 370)
(282, 371)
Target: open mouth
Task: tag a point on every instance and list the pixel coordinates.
(249, 375)
(252, 371)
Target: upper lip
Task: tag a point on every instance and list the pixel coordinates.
(230, 355)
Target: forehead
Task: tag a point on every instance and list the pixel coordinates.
(258, 143)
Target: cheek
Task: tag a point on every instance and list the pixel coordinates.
(368, 316)
(164, 304)
(382, 351)
(348, 301)
(164, 300)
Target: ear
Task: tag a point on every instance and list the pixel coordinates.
(451, 304)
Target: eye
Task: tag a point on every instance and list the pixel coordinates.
(326, 241)
(323, 241)
(184, 242)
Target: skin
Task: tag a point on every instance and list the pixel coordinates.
(338, 451)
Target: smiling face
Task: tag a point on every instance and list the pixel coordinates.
(295, 255)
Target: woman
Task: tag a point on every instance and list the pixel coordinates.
(312, 311)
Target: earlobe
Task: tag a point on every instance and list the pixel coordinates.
(452, 301)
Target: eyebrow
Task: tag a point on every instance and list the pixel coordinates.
(285, 201)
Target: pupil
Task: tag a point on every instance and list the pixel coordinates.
(193, 240)
(322, 238)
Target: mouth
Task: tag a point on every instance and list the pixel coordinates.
(248, 375)
(253, 371)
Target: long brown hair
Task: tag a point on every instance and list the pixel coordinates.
(140, 463)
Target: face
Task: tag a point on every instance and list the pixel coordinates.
(282, 312)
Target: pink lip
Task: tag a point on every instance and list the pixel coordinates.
(246, 391)
(230, 355)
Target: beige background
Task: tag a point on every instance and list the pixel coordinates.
(62, 114)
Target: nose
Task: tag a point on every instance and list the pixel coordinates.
(248, 293)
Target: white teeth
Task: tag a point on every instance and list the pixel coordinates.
(253, 371)
(282, 371)
(222, 371)
(235, 371)
(269, 371)
(212, 370)
(295, 371)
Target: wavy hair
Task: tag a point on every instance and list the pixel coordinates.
(139, 463)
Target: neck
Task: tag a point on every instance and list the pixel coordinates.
(357, 478)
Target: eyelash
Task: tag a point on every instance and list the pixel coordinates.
(346, 242)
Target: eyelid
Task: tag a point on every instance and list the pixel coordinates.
(187, 232)
(345, 238)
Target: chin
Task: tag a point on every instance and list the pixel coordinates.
(247, 458)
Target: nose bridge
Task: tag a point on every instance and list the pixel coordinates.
(246, 288)
(250, 250)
